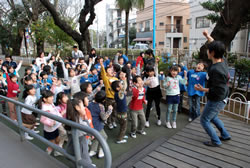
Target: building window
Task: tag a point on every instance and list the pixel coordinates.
(161, 43)
(189, 21)
(185, 39)
(161, 24)
(147, 25)
(141, 27)
(202, 22)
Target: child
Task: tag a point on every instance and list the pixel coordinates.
(88, 89)
(218, 92)
(74, 81)
(76, 112)
(171, 84)
(58, 87)
(196, 76)
(3, 92)
(183, 88)
(45, 82)
(13, 90)
(61, 105)
(28, 118)
(121, 108)
(108, 78)
(51, 131)
(99, 118)
(153, 92)
(136, 107)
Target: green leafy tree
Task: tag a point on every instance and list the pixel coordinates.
(127, 6)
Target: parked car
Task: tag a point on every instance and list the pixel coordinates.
(141, 46)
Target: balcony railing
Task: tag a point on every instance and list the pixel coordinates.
(174, 28)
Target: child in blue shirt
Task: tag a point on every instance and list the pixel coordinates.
(195, 76)
(183, 88)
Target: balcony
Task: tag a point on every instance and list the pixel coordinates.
(174, 28)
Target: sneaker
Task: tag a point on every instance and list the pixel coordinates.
(37, 119)
(147, 124)
(190, 119)
(26, 135)
(49, 151)
(225, 139)
(211, 144)
(159, 122)
(56, 153)
(143, 133)
(35, 131)
(125, 137)
(174, 125)
(121, 141)
(151, 109)
(114, 124)
(110, 126)
(37, 124)
(100, 153)
(133, 135)
(92, 153)
(168, 125)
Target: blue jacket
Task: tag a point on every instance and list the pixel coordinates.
(121, 103)
(125, 58)
(195, 78)
(95, 110)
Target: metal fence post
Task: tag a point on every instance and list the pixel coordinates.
(20, 122)
(76, 146)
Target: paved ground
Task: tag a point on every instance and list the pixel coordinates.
(15, 153)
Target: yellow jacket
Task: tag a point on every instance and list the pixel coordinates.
(107, 83)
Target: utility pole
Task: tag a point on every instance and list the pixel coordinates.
(154, 25)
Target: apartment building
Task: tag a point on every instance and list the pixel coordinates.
(198, 23)
(172, 29)
(115, 25)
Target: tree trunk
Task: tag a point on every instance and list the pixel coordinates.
(16, 46)
(233, 16)
(87, 41)
(39, 46)
(126, 33)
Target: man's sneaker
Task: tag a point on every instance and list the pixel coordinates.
(56, 153)
(147, 124)
(133, 135)
(110, 126)
(26, 135)
(190, 119)
(114, 124)
(211, 144)
(159, 122)
(121, 141)
(174, 125)
(168, 125)
(125, 137)
(225, 139)
(92, 153)
(100, 153)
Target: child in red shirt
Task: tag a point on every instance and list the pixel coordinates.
(136, 106)
(13, 90)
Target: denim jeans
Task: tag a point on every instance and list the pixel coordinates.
(170, 107)
(210, 114)
(194, 106)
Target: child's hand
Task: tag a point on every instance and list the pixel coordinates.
(205, 33)
(20, 62)
(98, 88)
(185, 73)
(146, 102)
(157, 60)
(110, 108)
(106, 58)
(5, 69)
(101, 61)
(101, 82)
(198, 87)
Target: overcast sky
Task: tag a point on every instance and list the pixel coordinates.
(100, 9)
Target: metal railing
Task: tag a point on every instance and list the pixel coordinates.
(74, 129)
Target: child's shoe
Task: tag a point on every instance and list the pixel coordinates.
(92, 153)
(168, 125)
(100, 153)
(37, 124)
(26, 135)
(142, 132)
(133, 135)
(147, 124)
(56, 153)
(174, 124)
(121, 141)
(35, 131)
(114, 124)
(110, 126)
(190, 119)
(159, 122)
(125, 137)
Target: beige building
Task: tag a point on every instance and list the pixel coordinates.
(172, 29)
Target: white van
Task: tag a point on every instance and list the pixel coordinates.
(141, 46)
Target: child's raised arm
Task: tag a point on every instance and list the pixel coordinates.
(208, 37)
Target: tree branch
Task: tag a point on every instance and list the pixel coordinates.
(61, 23)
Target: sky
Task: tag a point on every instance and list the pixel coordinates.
(100, 9)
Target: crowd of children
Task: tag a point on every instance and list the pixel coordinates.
(95, 92)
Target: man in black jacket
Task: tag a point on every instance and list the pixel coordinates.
(218, 92)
